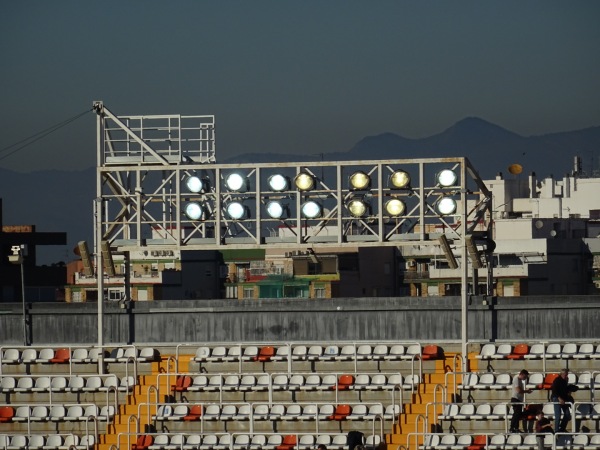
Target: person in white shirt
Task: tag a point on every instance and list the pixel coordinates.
(517, 398)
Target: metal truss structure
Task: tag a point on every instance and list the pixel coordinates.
(159, 187)
(145, 162)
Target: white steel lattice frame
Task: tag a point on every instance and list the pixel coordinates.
(143, 162)
(141, 190)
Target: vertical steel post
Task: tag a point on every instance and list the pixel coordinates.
(464, 270)
(98, 237)
(25, 340)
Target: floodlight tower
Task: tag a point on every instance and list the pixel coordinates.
(159, 186)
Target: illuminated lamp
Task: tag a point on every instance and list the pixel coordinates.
(236, 182)
(276, 210)
(395, 207)
(311, 209)
(400, 179)
(194, 211)
(279, 182)
(360, 180)
(195, 184)
(304, 181)
(447, 178)
(237, 211)
(357, 207)
(446, 205)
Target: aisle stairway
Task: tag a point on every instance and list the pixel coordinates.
(412, 420)
(144, 392)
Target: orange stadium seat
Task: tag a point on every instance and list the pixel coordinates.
(519, 351)
(548, 379)
(479, 442)
(6, 413)
(194, 414)
(265, 354)
(345, 382)
(341, 412)
(182, 383)
(431, 352)
(61, 356)
(288, 442)
(143, 442)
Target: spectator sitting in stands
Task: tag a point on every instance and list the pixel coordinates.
(542, 426)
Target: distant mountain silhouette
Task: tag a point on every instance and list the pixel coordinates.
(489, 147)
(62, 201)
(492, 149)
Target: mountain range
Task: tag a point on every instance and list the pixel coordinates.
(489, 147)
(62, 201)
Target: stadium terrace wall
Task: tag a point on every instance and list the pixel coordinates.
(273, 320)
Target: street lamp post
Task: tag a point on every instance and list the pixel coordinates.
(17, 258)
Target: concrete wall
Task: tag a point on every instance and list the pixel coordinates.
(423, 319)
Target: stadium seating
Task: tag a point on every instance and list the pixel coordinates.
(280, 388)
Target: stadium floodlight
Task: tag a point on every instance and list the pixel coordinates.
(276, 210)
(304, 181)
(360, 180)
(446, 206)
(237, 211)
(194, 211)
(195, 184)
(357, 207)
(279, 183)
(399, 179)
(236, 182)
(447, 178)
(452, 263)
(473, 252)
(395, 207)
(311, 210)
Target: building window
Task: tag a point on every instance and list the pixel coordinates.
(248, 292)
(231, 292)
(319, 292)
(114, 295)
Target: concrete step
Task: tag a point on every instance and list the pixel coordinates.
(430, 390)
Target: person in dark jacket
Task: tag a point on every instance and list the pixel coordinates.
(542, 426)
(561, 397)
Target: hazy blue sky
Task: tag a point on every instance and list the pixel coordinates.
(291, 76)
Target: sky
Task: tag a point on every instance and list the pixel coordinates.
(299, 77)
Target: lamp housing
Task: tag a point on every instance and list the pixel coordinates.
(446, 206)
(399, 180)
(237, 211)
(311, 210)
(276, 210)
(304, 181)
(395, 207)
(358, 207)
(279, 183)
(194, 211)
(359, 180)
(236, 182)
(447, 178)
(196, 184)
